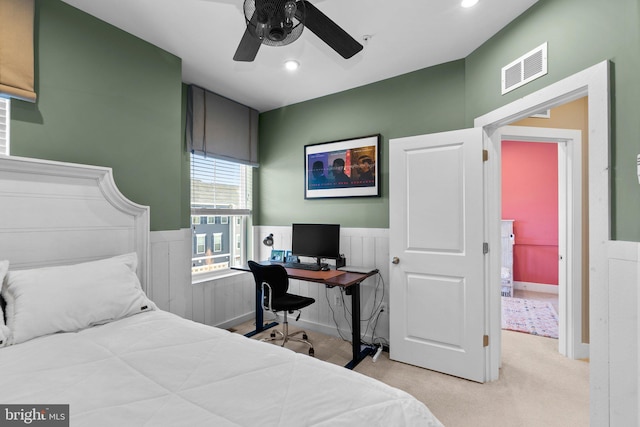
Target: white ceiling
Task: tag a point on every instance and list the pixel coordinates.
(405, 35)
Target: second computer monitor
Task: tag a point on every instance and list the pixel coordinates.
(316, 240)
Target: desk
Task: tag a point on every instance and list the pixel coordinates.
(331, 278)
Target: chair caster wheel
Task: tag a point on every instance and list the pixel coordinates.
(311, 352)
(305, 337)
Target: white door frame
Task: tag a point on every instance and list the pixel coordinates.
(594, 83)
(569, 144)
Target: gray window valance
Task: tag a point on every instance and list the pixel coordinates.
(16, 49)
(221, 128)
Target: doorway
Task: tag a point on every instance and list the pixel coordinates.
(530, 212)
(594, 83)
(563, 227)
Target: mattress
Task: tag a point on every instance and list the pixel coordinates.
(157, 369)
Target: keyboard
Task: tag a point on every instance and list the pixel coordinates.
(302, 266)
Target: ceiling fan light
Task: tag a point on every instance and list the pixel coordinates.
(291, 65)
(468, 3)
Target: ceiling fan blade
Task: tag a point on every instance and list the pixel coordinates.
(248, 47)
(328, 31)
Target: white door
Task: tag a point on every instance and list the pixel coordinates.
(437, 291)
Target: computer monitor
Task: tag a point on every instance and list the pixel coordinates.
(316, 240)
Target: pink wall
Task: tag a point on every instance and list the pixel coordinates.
(530, 197)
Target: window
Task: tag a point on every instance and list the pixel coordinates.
(5, 108)
(201, 243)
(195, 219)
(217, 242)
(221, 191)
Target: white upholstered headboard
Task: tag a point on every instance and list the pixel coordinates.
(54, 213)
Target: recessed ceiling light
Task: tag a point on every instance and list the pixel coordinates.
(291, 65)
(468, 3)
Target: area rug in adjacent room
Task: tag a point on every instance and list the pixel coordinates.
(529, 316)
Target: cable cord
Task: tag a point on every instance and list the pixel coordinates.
(376, 307)
(345, 310)
(333, 314)
(375, 311)
(372, 320)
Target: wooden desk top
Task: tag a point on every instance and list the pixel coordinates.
(329, 277)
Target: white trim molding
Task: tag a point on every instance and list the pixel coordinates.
(536, 287)
(594, 83)
(624, 332)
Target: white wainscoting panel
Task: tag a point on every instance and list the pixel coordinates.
(224, 302)
(624, 357)
(170, 273)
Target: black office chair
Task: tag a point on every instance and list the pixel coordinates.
(274, 283)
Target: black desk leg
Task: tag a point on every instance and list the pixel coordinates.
(260, 326)
(359, 352)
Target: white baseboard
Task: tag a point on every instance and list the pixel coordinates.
(300, 324)
(536, 287)
(236, 321)
(329, 330)
(321, 328)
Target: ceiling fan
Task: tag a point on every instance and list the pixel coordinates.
(280, 22)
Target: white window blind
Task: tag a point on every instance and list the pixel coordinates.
(4, 125)
(220, 187)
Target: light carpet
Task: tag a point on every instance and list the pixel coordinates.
(529, 316)
(537, 387)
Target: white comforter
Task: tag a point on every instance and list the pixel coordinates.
(156, 369)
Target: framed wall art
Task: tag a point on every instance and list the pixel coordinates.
(345, 168)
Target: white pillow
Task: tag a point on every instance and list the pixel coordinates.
(69, 298)
(5, 333)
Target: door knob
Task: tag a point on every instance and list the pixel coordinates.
(395, 260)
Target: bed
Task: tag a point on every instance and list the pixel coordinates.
(82, 330)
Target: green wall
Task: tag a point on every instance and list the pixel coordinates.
(106, 98)
(580, 33)
(429, 100)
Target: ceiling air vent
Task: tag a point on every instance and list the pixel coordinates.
(528, 67)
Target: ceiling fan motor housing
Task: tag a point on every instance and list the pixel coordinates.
(275, 22)
(280, 22)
